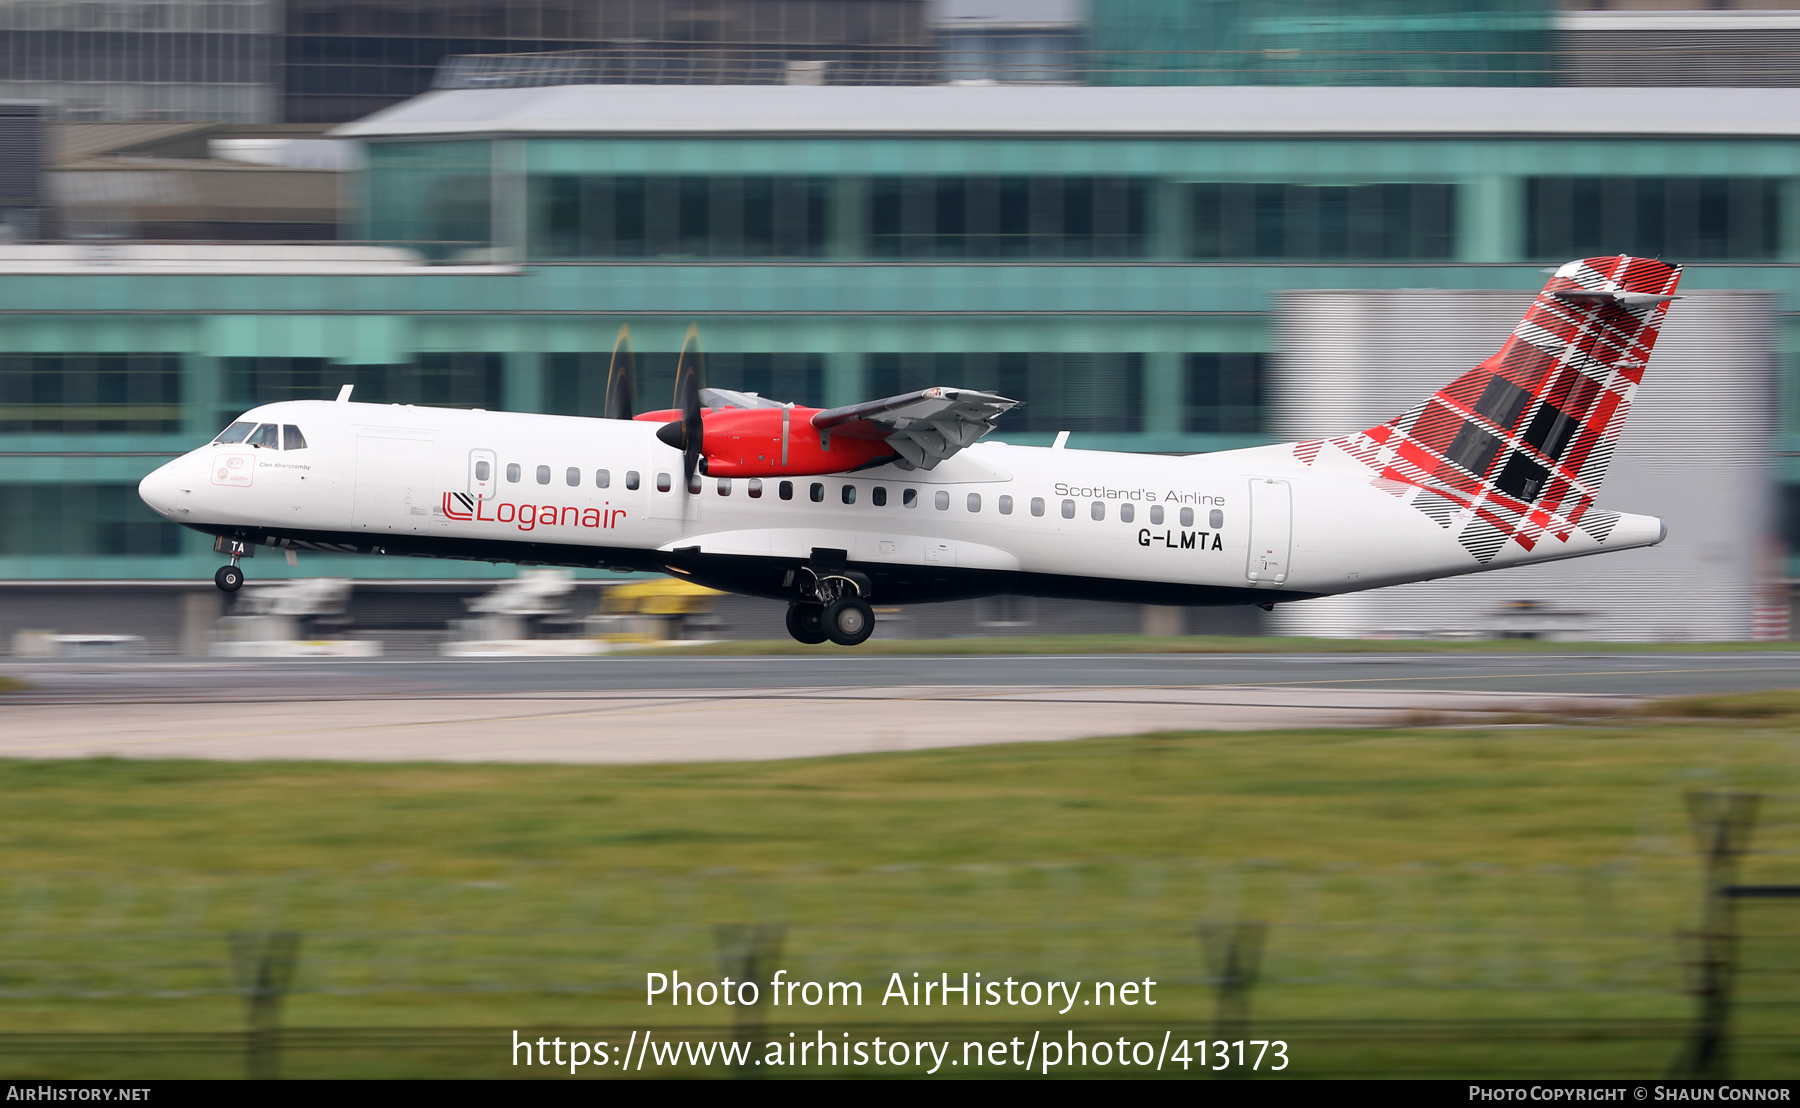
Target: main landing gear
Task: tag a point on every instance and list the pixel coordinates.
(230, 578)
(806, 622)
(832, 606)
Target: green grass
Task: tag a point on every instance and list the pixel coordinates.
(1208, 644)
(11, 684)
(1446, 877)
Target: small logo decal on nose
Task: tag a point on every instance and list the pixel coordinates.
(234, 470)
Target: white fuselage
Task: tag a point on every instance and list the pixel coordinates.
(1240, 526)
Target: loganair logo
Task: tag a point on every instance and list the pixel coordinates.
(462, 507)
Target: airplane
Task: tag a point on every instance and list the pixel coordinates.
(898, 501)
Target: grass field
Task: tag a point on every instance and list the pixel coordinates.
(1207, 644)
(1529, 879)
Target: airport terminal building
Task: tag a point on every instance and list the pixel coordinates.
(1141, 266)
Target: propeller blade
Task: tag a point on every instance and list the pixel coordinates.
(621, 378)
(690, 378)
(690, 363)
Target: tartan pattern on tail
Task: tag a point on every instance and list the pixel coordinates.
(1516, 448)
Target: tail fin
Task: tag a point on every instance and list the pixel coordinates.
(1519, 445)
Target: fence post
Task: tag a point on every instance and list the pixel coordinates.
(750, 952)
(262, 962)
(1233, 954)
(1722, 823)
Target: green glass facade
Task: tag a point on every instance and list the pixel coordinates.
(1323, 42)
(1123, 287)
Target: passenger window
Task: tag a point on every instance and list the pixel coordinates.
(631, 479)
(817, 493)
(1068, 509)
(1037, 505)
(1006, 505)
(878, 496)
(724, 486)
(663, 482)
(603, 478)
(1156, 514)
(1098, 511)
(1215, 518)
(755, 488)
(482, 470)
(909, 498)
(512, 472)
(849, 494)
(573, 477)
(236, 432)
(786, 491)
(267, 436)
(694, 482)
(292, 439)
(543, 475)
(1127, 513)
(1187, 517)
(974, 502)
(942, 500)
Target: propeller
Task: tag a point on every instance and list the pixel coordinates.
(621, 378)
(688, 433)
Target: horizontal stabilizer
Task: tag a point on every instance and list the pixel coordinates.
(1614, 296)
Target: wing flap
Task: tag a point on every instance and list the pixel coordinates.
(923, 427)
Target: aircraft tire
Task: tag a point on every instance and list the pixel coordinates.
(850, 621)
(229, 578)
(806, 623)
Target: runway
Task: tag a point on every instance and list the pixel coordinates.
(684, 709)
(1598, 673)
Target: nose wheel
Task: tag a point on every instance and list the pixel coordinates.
(230, 578)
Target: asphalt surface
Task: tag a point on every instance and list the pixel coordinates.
(1600, 674)
(704, 709)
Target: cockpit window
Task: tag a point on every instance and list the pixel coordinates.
(291, 437)
(237, 431)
(268, 435)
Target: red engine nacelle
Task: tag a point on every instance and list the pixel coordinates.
(756, 442)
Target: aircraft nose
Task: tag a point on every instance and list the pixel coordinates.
(162, 488)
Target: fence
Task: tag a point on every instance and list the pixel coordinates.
(399, 974)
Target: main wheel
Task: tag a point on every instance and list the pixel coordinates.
(229, 578)
(806, 622)
(850, 622)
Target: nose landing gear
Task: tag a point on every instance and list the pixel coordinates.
(230, 578)
(832, 606)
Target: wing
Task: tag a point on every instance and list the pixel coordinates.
(731, 398)
(923, 427)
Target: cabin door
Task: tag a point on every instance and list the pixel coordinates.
(393, 481)
(483, 473)
(1271, 530)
